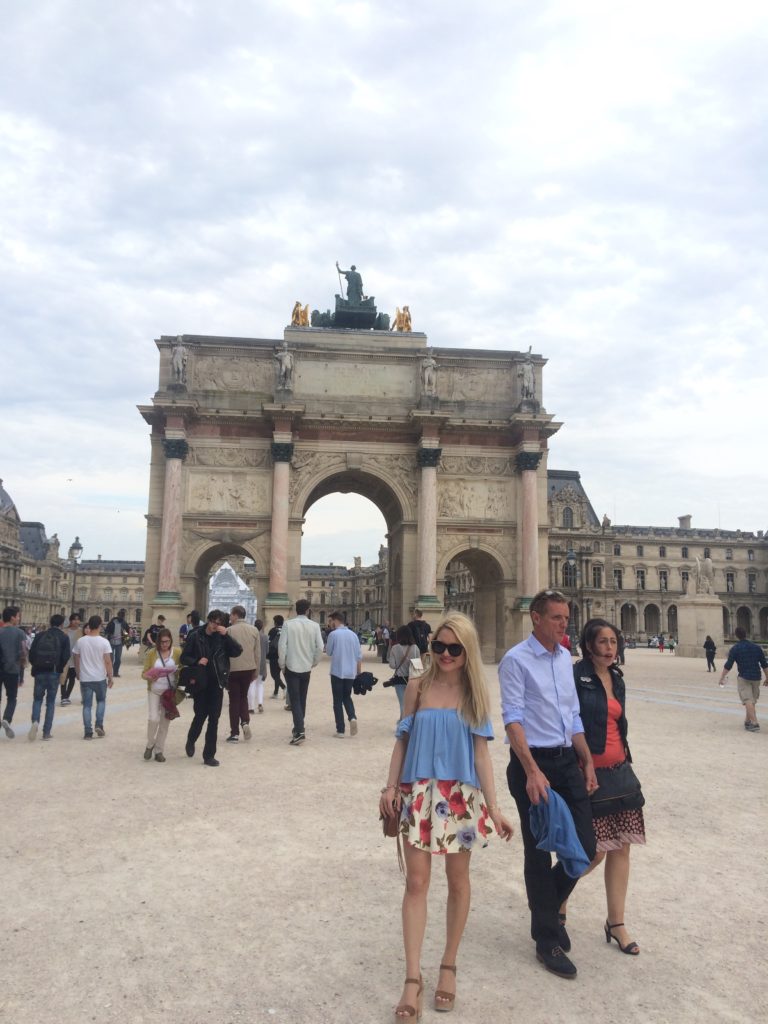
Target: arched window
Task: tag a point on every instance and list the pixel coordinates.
(568, 517)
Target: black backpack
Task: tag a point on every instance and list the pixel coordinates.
(274, 640)
(44, 654)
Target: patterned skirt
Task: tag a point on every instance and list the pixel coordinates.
(616, 830)
(444, 816)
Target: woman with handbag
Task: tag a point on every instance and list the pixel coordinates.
(400, 655)
(160, 664)
(617, 802)
(441, 784)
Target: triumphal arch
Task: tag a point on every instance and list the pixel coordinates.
(449, 443)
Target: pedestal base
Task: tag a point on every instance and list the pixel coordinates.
(698, 616)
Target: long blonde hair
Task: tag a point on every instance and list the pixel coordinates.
(474, 707)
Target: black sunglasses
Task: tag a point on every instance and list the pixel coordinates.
(440, 648)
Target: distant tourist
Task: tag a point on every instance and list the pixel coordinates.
(299, 649)
(161, 665)
(93, 667)
(207, 653)
(242, 671)
(401, 655)
(256, 689)
(116, 632)
(273, 639)
(74, 631)
(749, 658)
(150, 633)
(13, 655)
(421, 631)
(343, 648)
(710, 649)
(48, 656)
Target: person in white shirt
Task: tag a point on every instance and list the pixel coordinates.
(299, 650)
(93, 667)
(343, 648)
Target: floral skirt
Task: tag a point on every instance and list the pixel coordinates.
(444, 816)
(616, 830)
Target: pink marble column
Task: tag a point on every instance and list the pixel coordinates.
(282, 453)
(527, 463)
(170, 539)
(427, 526)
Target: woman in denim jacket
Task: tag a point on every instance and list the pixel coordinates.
(602, 701)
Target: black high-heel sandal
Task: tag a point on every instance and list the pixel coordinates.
(631, 948)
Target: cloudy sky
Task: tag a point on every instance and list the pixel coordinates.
(587, 178)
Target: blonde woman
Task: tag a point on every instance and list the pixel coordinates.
(441, 777)
(160, 664)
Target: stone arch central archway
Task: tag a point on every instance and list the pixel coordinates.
(392, 500)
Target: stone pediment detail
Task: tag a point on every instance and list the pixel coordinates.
(229, 456)
(476, 465)
(568, 495)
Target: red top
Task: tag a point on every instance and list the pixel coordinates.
(614, 748)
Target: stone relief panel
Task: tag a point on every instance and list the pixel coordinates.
(234, 457)
(477, 465)
(475, 500)
(211, 373)
(228, 492)
(475, 384)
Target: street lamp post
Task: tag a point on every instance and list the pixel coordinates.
(75, 554)
(571, 560)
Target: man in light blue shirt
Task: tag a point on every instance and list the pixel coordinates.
(540, 709)
(343, 648)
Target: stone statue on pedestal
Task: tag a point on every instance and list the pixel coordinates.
(354, 284)
(284, 360)
(429, 375)
(179, 362)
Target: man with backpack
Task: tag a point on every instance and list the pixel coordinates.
(273, 638)
(420, 630)
(48, 657)
(117, 629)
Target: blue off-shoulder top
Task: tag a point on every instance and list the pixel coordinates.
(440, 745)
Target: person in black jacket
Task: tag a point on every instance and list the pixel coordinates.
(710, 649)
(207, 651)
(602, 707)
(48, 657)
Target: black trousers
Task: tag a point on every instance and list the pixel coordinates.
(547, 886)
(274, 671)
(207, 704)
(69, 684)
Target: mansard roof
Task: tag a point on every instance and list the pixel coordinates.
(34, 543)
(566, 484)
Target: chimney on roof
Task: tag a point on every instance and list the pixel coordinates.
(685, 522)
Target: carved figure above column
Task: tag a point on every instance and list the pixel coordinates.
(282, 451)
(284, 360)
(175, 448)
(429, 456)
(179, 361)
(527, 460)
(429, 375)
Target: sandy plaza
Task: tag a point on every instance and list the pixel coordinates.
(263, 890)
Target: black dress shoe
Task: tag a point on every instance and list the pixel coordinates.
(556, 961)
(189, 746)
(211, 762)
